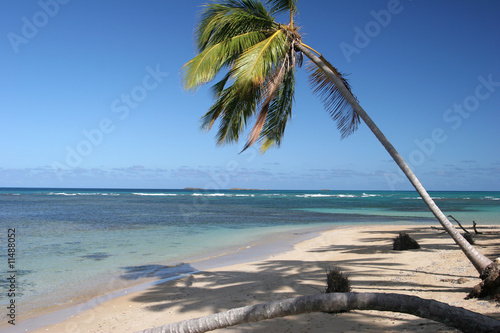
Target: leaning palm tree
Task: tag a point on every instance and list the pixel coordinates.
(254, 59)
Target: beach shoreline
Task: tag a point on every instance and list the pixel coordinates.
(150, 275)
(364, 252)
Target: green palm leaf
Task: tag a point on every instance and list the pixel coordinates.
(278, 6)
(226, 19)
(205, 66)
(233, 108)
(280, 111)
(258, 61)
(269, 94)
(219, 87)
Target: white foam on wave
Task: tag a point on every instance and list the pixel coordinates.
(364, 195)
(325, 196)
(62, 193)
(156, 194)
(210, 195)
(312, 195)
(81, 194)
(98, 193)
(221, 195)
(420, 198)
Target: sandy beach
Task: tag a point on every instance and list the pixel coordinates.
(438, 271)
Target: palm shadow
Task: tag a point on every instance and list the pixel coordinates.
(184, 289)
(490, 235)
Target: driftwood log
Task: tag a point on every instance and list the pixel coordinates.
(459, 224)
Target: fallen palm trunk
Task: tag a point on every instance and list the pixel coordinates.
(465, 320)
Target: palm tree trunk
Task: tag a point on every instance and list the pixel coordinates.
(465, 320)
(479, 261)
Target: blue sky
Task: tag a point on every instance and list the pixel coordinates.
(91, 96)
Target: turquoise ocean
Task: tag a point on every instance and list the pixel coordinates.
(74, 244)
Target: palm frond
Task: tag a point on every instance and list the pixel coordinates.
(258, 61)
(280, 111)
(237, 111)
(226, 29)
(270, 92)
(233, 107)
(335, 103)
(205, 66)
(222, 97)
(279, 6)
(219, 87)
(225, 19)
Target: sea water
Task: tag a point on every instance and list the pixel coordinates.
(72, 244)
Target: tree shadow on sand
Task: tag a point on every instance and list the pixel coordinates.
(270, 280)
(490, 235)
(211, 292)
